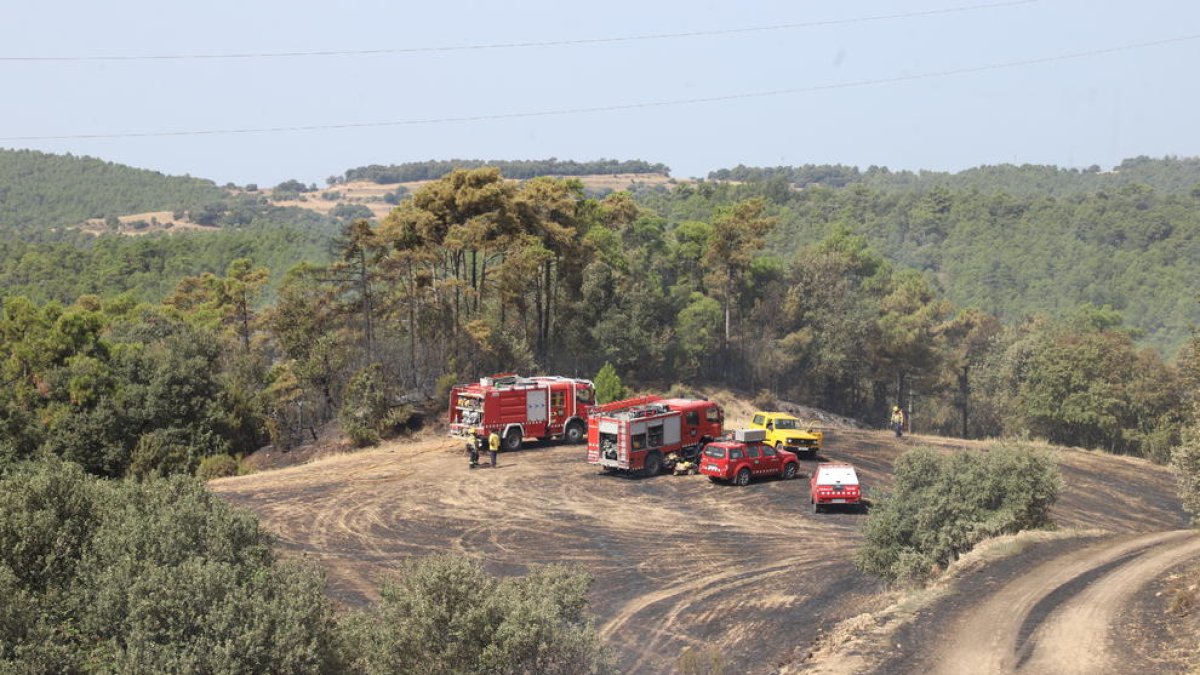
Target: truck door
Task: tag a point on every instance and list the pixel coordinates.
(558, 406)
(535, 406)
(754, 454)
(771, 460)
(691, 420)
(713, 419)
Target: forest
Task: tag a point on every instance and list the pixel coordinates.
(40, 190)
(1171, 175)
(518, 169)
(474, 274)
(157, 358)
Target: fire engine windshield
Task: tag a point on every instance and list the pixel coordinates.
(785, 423)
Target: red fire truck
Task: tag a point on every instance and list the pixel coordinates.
(521, 407)
(647, 433)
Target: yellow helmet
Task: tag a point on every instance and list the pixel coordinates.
(895, 408)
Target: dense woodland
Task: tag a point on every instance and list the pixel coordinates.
(520, 169)
(1171, 175)
(39, 190)
(1063, 316)
(1068, 318)
(475, 274)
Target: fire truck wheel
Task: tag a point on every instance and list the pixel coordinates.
(789, 471)
(512, 440)
(653, 464)
(743, 478)
(575, 432)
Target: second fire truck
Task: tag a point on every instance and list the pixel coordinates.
(649, 433)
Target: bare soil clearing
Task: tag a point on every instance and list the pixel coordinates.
(678, 561)
(371, 194)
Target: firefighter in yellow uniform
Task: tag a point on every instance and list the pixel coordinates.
(493, 446)
(897, 420)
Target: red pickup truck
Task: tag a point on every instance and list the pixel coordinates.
(746, 457)
(834, 484)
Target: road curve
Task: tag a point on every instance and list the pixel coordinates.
(1056, 617)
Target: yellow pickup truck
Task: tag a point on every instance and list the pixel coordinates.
(785, 432)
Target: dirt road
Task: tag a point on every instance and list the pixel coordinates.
(678, 561)
(1057, 615)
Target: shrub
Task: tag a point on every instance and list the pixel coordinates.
(364, 407)
(161, 452)
(217, 466)
(156, 576)
(441, 389)
(446, 615)
(1185, 459)
(942, 505)
(695, 661)
(608, 385)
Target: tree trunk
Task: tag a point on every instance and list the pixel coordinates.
(964, 392)
(366, 303)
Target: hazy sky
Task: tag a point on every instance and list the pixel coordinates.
(1075, 112)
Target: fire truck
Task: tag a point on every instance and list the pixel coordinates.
(648, 433)
(518, 407)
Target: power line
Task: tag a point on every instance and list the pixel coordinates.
(626, 106)
(514, 45)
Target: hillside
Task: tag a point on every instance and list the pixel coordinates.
(669, 554)
(39, 190)
(519, 169)
(1171, 175)
(1010, 252)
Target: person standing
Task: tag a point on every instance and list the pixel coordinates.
(493, 446)
(473, 450)
(897, 420)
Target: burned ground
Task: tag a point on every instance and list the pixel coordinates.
(678, 561)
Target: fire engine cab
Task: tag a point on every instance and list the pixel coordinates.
(648, 433)
(518, 407)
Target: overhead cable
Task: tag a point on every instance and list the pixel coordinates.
(509, 45)
(626, 106)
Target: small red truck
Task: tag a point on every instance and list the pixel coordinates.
(518, 407)
(746, 456)
(834, 484)
(649, 433)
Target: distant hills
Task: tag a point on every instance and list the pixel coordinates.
(1171, 175)
(43, 190)
(520, 169)
(1011, 240)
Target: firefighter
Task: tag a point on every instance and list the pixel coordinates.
(493, 446)
(473, 449)
(897, 420)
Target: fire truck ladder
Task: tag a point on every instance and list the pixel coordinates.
(624, 404)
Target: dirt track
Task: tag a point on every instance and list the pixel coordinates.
(678, 561)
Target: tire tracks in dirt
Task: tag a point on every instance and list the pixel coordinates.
(677, 561)
(1054, 617)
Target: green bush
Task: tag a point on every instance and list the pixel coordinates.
(217, 466)
(364, 407)
(446, 615)
(152, 576)
(1185, 459)
(161, 453)
(942, 505)
(608, 385)
(441, 390)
